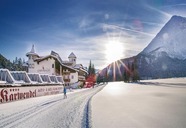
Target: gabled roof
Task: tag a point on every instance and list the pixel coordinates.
(67, 62)
(44, 58)
(55, 57)
(72, 55)
(80, 67)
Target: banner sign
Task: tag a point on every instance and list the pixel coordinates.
(19, 93)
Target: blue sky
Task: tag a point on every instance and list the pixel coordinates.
(92, 29)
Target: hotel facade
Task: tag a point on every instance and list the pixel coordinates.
(52, 64)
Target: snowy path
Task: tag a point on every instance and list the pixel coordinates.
(127, 105)
(48, 111)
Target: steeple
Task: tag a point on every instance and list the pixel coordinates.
(32, 52)
(33, 49)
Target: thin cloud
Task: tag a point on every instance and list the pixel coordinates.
(152, 23)
(174, 5)
(159, 11)
(109, 26)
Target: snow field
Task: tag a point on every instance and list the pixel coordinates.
(47, 111)
(149, 105)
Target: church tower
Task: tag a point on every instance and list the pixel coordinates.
(72, 58)
(32, 55)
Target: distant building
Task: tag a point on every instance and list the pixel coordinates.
(82, 72)
(53, 65)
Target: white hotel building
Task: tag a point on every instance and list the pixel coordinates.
(53, 65)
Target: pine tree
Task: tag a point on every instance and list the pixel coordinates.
(23, 60)
(93, 70)
(126, 74)
(16, 60)
(135, 77)
(20, 62)
(91, 78)
(89, 68)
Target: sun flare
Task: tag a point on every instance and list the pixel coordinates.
(114, 51)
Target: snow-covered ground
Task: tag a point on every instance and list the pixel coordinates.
(177, 81)
(151, 104)
(48, 111)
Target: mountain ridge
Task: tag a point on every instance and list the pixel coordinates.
(169, 41)
(164, 56)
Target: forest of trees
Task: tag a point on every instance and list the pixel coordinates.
(16, 65)
(127, 73)
(91, 77)
(91, 69)
(130, 73)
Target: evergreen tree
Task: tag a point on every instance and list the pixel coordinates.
(98, 79)
(89, 68)
(105, 76)
(20, 62)
(126, 74)
(23, 60)
(16, 60)
(93, 70)
(91, 78)
(135, 76)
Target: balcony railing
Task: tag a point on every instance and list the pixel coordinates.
(66, 80)
(81, 78)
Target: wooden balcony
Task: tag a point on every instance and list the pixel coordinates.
(81, 78)
(66, 80)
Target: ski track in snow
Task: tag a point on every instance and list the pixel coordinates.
(49, 111)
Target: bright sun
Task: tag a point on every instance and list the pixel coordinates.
(114, 51)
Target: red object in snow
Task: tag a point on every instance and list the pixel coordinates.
(90, 81)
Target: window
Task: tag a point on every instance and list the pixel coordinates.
(72, 77)
(52, 65)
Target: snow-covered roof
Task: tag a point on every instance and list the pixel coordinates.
(55, 57)
(72, 55)
(67, 62)
(44, 58)
(6, 76)
(80, 67)
(35, 78)
(45, 78)
(20, 76)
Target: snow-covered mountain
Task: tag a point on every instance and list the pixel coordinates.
(165, 56)
(171, 39)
